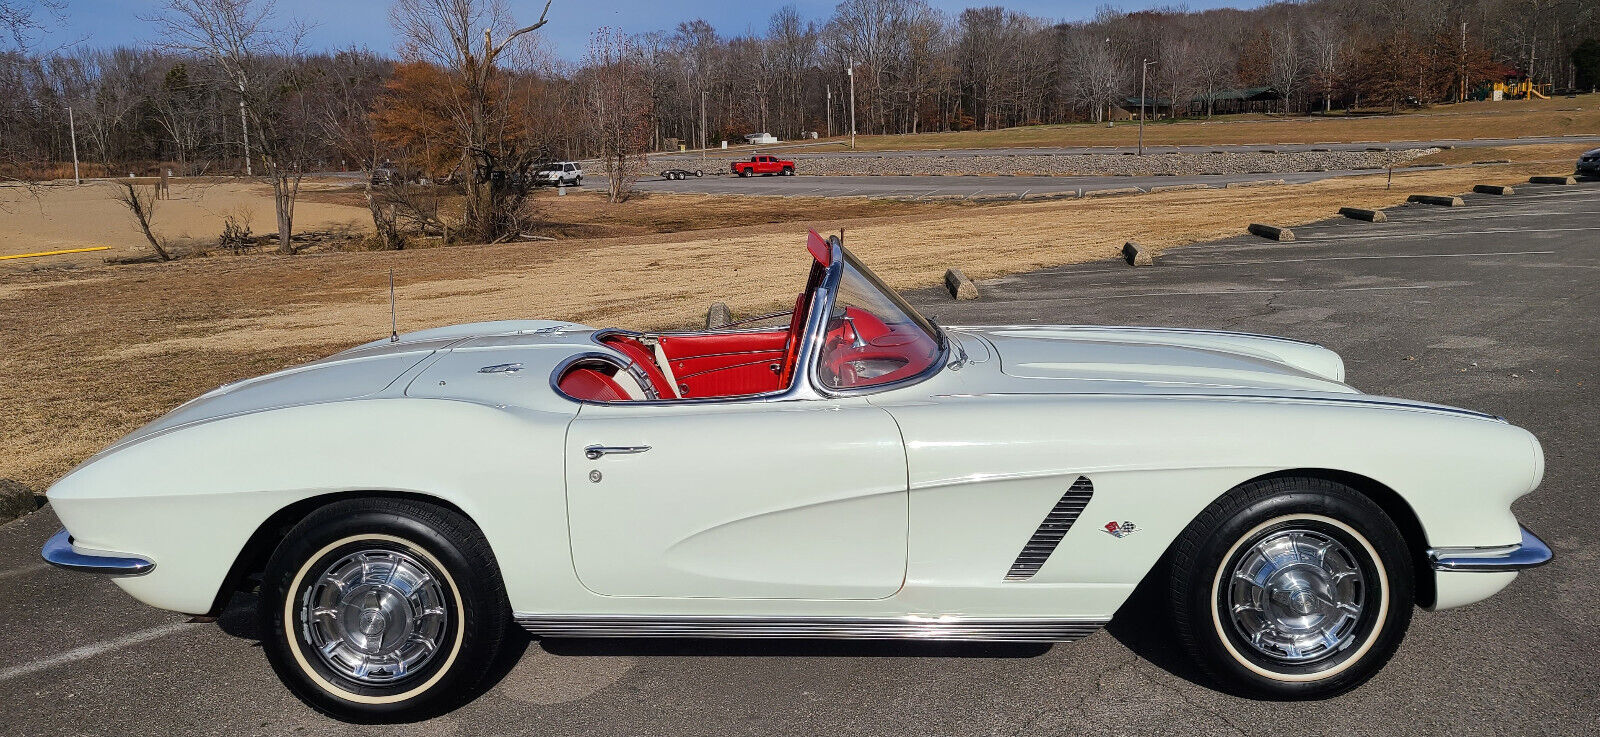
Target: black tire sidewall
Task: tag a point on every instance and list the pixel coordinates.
(430, 534)
(1217, 538)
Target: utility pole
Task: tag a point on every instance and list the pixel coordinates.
(827, 109)
(850, 72)
(1144, 71)
(244, 124)
(72, 128)
(702, 129)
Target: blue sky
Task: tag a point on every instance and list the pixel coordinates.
(343, 23)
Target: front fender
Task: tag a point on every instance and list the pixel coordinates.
(188, 500)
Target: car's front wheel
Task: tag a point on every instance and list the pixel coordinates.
(376, 610)
(1291, 588)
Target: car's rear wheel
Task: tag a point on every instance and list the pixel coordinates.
(1291, 588)
(376, 610)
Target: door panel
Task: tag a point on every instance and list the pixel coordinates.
(761, 500)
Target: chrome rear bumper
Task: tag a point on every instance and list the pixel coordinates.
(58, 552)
(1529, 553)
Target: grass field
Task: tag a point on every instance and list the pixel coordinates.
(93, 351)
(1510, 119)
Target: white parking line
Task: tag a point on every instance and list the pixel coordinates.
(35, 568)
(1348, 237)
(89, 651)
(1498, 214)
(1359, 258)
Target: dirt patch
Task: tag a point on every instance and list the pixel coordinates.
(62, 216)
(97, 351)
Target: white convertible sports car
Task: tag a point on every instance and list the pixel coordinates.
(860, 473)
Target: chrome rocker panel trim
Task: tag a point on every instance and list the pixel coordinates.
(1529, 553)
(58, 552)
(830, 628)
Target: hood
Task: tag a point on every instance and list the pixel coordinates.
(1155, 359)
(363, 371)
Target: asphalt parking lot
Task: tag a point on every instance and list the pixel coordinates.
(1492, 306)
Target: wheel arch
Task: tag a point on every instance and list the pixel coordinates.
(1392, 504)
(252, 558)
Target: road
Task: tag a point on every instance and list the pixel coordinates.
(971, 187)
(1492, 306)
(1016, 187)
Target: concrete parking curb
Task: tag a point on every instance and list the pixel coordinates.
(1553, 180)
(1493, 189)
(718, 315)
(1358, 213)
(1434, 199)
(959, 285)
(1271, 232)
(1136, 255)
(1112, 192)
(1177, 187)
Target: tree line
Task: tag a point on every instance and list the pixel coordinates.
(464, 98)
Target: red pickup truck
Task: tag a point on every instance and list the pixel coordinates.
(764, 165)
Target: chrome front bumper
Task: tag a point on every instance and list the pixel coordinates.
(58, 552)
(1529, 553)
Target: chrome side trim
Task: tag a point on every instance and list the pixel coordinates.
(58, 552)
(1529, 553)
(1054, 527)
(789, 627)
(1138, 328)
(1289, 398)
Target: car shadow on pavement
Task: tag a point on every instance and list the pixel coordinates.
(1144, 625)
(792, 648)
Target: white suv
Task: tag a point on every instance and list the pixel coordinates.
(560, 173)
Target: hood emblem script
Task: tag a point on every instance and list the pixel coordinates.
(501, 368)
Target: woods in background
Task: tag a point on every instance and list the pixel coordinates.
(231, 91)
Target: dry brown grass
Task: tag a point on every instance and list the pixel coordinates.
(94, 352)
(1468, 120)
(1555, 152)
(62, 216)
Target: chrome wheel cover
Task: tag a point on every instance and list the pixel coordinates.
(375, 616)
(1296, 596)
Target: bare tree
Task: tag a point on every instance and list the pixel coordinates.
(141, 203)
(443, 32)
(259, 57)
(1325, 40)
(1286, 61)
(354, 80)
(619, 110)
(1096, 77)
(22, 22)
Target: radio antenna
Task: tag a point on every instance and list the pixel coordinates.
(394, 329)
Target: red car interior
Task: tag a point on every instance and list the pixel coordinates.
(723, 364)
(588, 383)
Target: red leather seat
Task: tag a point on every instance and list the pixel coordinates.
(587, 383)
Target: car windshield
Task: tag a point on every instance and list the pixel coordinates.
(873, 336)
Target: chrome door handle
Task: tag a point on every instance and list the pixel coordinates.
(595, 451)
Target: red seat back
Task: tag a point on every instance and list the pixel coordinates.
(587, 383)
